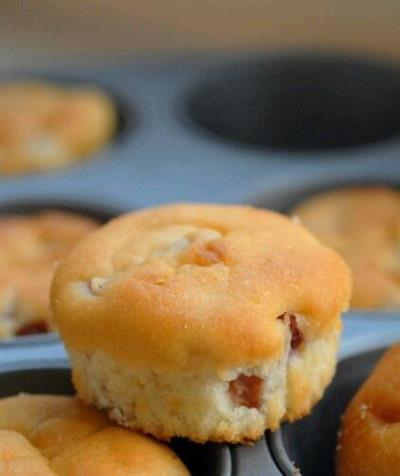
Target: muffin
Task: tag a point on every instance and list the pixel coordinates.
(44, 126)
(202, 321)
(363, 225)
(368, 443)
(46, 435)
(30, 246)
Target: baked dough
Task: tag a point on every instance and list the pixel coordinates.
(205, 321)
(45, 435)
(363, 225)
(30, 247)
(368, 443)
(46, 126)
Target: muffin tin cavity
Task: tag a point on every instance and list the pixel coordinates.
(310, 443)
(36, 377)
(286, 199)
(210, 459)
(54, 377)
(99, 213)
(301, 103)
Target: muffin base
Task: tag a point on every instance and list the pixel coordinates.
(201, 407)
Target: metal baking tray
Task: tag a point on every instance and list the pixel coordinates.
(266, 130)
(273, 455)
(298, 448)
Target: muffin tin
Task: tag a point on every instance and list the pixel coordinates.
(265, 130)
(310, 443)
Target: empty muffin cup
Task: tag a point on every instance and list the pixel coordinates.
(300, 102)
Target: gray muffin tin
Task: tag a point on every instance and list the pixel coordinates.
(310, 444)
(264, 130)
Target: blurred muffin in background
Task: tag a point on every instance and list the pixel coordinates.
(368, 440)
(363, 225)
(30, 246)
(44, 126)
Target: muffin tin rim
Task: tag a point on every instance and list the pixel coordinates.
(248, 65)
(191, 75)
(30, 340)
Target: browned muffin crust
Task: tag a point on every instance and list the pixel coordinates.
(208, 322)
(196, 285)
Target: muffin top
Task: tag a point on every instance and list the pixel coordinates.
(370, 431)
(195, 286)
(30, 246)
(363, 225)
(47, 435)
(44, 126)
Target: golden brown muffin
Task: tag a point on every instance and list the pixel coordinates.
(44, 126)
(205, 321)
(46, 435)
(369, 438)
(363, 225)
(30, 247)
